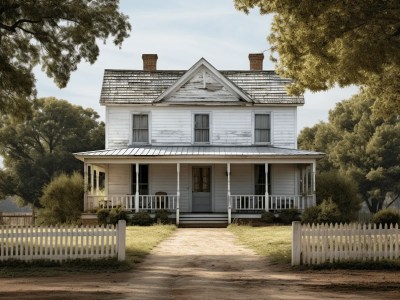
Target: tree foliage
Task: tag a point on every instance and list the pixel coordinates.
(41, 147)
(343, 191)
(62, 200)
(324, 43)
(361, 146)
(58, 35)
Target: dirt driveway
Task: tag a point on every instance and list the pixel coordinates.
(207, 264)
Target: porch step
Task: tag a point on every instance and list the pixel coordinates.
(203, 220)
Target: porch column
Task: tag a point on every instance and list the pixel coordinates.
(266, 188)
(106, 182)
(92, 189)
(228, 173)
(85, 187)
(97, 181)
(314, 167)
(137, 188)
(178, 193)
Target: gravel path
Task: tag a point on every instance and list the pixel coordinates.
(207, 264)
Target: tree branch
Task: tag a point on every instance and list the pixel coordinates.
(16, 24)
(26, 30)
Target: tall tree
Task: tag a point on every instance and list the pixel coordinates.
(323, 43)
(361, 146)
(41, 147)
(55, 34)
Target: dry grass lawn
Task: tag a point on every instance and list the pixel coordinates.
(273, 242)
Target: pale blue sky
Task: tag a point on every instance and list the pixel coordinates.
(181, 32)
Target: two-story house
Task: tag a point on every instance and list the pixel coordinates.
(219, 143)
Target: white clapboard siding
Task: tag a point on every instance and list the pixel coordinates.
(231, 127)
(171, 127)
(321, 243)
(242, 179)
(60, 243)
(283, 179)
(118, 127)
(163, 179)
(119, 176)
(185, 183)
(220, 188)
(174, 125)
(284, 127)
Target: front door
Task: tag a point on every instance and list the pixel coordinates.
(201, 196)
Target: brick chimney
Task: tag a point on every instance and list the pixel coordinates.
(149, 62)
(256, 61)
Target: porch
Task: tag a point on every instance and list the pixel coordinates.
(238, 203)
(225, 189)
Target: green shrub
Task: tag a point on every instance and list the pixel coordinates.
(141, 218)
(287, 216)
(162, 216)
(62, 200)
(329, 213)
(103, 216)
(326, 212)
(310, 215)
(342, 190)
(118, 213)
(267, 217)
(386, 216)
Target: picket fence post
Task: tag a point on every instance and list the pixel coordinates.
(296, 243)
(121, 235)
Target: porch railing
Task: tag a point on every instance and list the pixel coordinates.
(275, 202)
(146, 202)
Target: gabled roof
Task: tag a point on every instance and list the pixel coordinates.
(193, 70)
(200, 151)
(141, 87)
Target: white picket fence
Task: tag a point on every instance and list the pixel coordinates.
(59, 243)
(316, 244)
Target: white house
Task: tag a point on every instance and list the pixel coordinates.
(202, 143)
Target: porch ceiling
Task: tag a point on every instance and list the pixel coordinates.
(200, 151)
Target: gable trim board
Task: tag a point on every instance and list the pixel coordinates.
(198, 67)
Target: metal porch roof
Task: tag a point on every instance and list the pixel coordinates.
(200, 151)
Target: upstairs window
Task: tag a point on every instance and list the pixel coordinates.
(140, 133)
(262, 128)
(201, 128)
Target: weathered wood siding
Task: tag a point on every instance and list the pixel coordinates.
(202, 87)
(174, 125)
(118, 127)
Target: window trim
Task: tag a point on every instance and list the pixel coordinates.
(271, 129)
(131, 142)
(194, 113)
